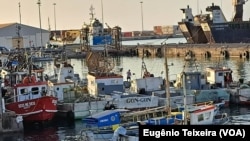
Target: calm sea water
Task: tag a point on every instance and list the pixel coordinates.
(60, 128)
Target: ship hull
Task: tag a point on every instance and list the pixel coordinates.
(39, 109)
(192, 33)
(231, 32)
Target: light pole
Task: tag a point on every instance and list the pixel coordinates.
(19, 6)
(55, 18)
(141, 18)
(102, 12)
(39, 4)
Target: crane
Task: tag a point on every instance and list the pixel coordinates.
(238, 10)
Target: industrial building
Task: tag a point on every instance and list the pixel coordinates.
(15, 35)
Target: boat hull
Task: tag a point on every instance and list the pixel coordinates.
(39, 109)
(229, 33)
(193, 33)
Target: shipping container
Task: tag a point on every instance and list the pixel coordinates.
(147, 33)
(136, 33)
(127, 34)
(167, 30)
(171, 30)
(158, 30)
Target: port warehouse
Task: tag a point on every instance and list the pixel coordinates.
(15, 35)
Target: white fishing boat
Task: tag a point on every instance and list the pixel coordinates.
(207, 85)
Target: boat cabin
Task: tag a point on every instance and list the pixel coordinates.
(63, 91)
(201, 114)
(193, 80)
(64, 72)
(23, 92)
(147, 85)
(212, 77)
(25, 86)
(218, 76)
(104, 83)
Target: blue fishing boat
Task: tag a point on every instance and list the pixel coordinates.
(97, 37)
(105, 119)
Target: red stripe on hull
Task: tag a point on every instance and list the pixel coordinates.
(207, 108)
(43, 116)
(39, 109)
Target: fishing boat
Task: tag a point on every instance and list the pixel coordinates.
(25, 91)
(206, 85)
(213, 27)
(29, 99)
(106, 126)
(96, 35)
(197, 114)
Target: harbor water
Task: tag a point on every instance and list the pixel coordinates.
(58, 129)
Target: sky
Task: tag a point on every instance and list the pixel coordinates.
(130, 15)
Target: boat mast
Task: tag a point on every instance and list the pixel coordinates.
(102, 17)
(168, 104)
(185, 98)
(19, 26)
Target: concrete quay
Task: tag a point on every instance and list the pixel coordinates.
(9, 123)
(241, 50)
(195, 50)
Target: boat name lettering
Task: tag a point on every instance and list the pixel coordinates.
(104, 120)
(27, 104)
(219, 26)
(54, 101)
(134, 100)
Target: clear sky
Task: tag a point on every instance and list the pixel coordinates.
(71, 14)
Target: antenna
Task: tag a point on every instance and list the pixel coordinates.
(49, 24)
(91, 12)
(19, 26)
(102, 16)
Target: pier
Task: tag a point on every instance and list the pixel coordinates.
(194, 50)
(240, 50)
(9, 121)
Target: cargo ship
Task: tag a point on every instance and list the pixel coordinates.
(214, 28)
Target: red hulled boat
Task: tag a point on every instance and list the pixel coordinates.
(31, 102)
(28, 96)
